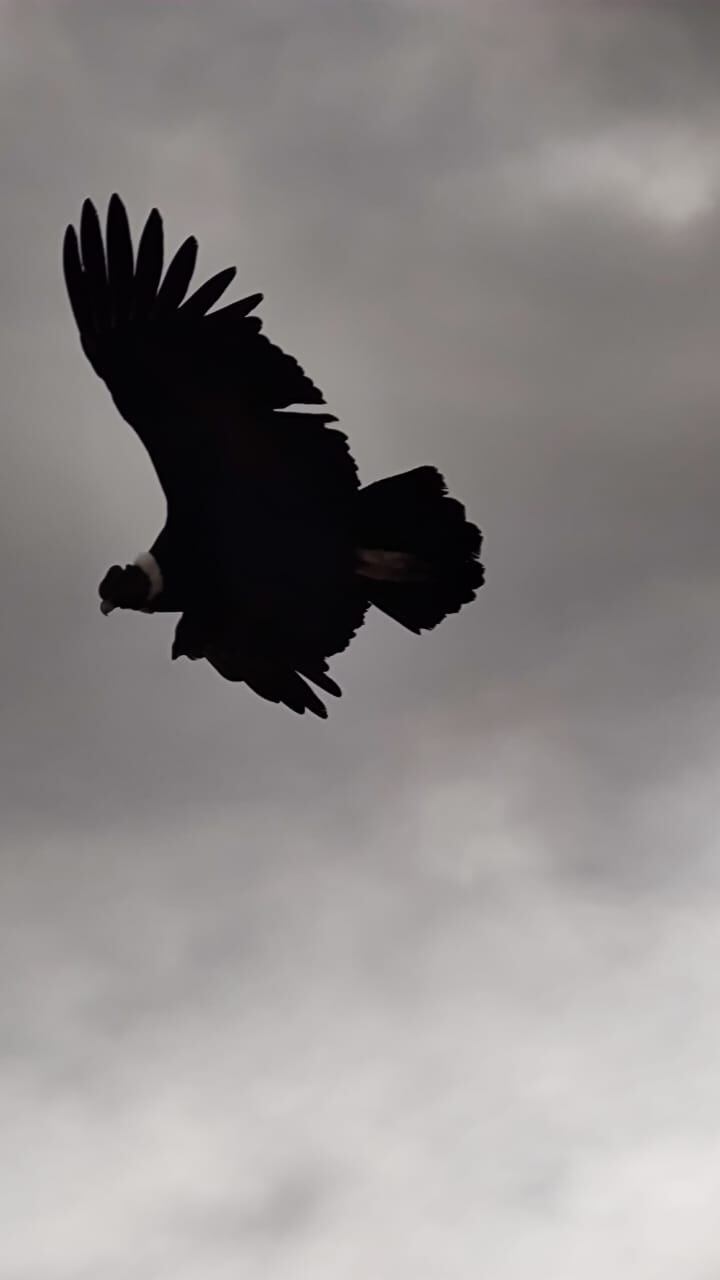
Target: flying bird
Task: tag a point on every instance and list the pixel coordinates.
(271, 551)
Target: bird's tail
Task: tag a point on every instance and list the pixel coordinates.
(417, 554)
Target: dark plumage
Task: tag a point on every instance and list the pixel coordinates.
(270, 551)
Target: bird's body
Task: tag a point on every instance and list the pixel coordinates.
(270, 550)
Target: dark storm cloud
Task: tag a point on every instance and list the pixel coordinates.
(309, 997)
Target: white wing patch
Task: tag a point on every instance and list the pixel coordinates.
(390, 566)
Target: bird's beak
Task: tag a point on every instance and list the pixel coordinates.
(106, 607)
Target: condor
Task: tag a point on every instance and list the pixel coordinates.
(271, 552)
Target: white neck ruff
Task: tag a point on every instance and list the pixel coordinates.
(150, 567)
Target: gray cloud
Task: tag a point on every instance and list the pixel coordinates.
(433, 983)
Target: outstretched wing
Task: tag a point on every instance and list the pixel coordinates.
(281, 665)
(264, 498)
(173, 367)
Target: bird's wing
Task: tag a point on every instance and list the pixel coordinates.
(282, 663)
(175, 368)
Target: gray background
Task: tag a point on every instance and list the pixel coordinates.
(431, 991)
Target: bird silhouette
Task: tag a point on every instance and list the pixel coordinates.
(271, 551)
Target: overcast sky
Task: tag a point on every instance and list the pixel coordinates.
(430, 991)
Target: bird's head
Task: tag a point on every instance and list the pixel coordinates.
(128, 588)
(133, 587)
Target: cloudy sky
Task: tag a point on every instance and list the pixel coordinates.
(430, 991)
